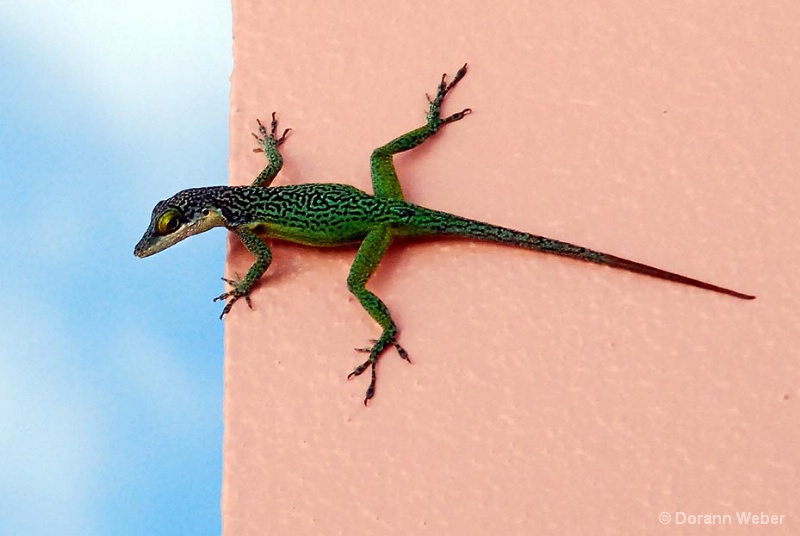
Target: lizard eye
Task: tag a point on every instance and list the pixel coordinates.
(168, 222)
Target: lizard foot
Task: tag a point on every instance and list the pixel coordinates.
(436, 103)
(238, 291)
(374, 353)
(269, 140)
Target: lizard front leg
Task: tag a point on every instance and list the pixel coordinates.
(242, 287)
(269, 144)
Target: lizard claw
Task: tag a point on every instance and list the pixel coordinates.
(367, 349)
(233, 295)
(444, 87)
(435, 121)
(374, 353)
(269, 138)
(457, 116)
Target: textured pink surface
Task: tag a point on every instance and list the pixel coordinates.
(546, 395)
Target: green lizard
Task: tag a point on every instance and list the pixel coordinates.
(337, 214)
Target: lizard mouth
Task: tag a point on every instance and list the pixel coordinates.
(151, 243)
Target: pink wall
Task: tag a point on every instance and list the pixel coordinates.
(546, 395)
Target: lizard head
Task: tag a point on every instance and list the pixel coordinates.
(186, 213)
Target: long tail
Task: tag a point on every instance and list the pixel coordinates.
(440, 223)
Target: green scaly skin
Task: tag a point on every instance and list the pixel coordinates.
(336, 214)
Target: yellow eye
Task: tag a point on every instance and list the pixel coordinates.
(168, 222)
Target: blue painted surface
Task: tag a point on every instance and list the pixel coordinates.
(110, 366)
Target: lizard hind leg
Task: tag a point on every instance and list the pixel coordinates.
(369, 255)
(435, 104)
(384, 176)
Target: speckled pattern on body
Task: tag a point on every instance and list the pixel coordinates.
(336, 214)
